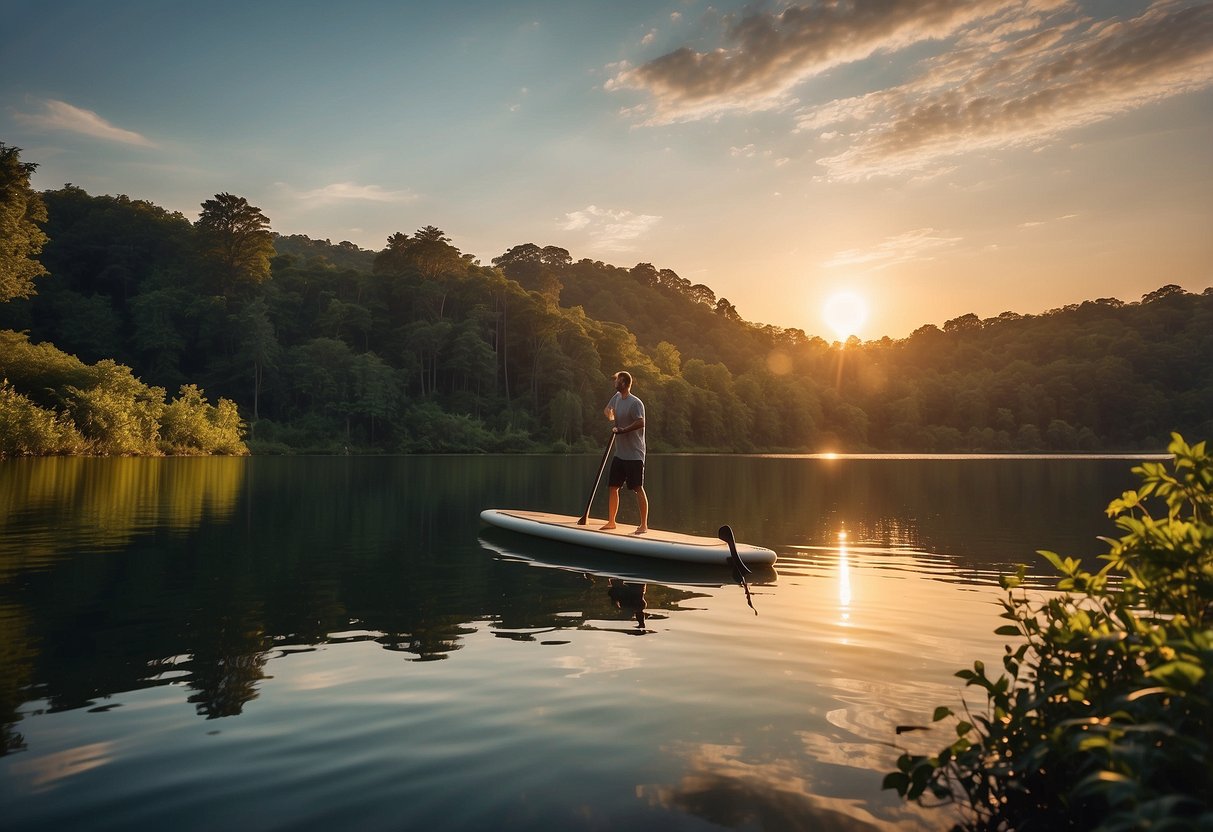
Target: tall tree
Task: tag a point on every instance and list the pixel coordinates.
(259, 347)
(429, 252)
(21, 213)
(236, 239)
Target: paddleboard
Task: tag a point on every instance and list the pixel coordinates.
(655, 543)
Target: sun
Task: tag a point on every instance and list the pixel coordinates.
(845, 313)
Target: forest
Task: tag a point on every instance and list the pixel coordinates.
(330, 348)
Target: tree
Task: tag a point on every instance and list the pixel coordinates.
(429, 251)
(259, 348)
(668, 359)
(21, 239)
(236, 238)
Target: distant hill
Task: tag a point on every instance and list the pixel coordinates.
(343, 255)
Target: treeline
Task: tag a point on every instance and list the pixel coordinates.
(420, 347)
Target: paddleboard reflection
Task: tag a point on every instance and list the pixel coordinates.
(627, 576)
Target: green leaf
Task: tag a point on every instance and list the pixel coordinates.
(941, 712)
(1052, 557)
(1178, 674)
(896, 780)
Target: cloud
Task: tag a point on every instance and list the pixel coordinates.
(769, 53)
(61, 116)
(1004, 73)
(920, 244)
(1027, 92)
(1038, 223)
(350, 192)
(609, 230)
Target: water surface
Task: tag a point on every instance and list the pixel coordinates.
(297, 643)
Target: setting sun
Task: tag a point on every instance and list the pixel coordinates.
(845, 313)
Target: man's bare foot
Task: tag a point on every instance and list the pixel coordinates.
(641, 530)
(607, 527)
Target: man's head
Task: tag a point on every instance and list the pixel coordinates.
(623, 381)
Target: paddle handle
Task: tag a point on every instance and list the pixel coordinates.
(606, 455)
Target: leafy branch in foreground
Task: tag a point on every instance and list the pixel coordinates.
(1103, 718)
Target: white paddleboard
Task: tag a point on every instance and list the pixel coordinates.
(654, 543)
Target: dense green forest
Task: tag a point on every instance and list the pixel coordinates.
(419, 347)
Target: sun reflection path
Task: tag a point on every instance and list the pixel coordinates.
(844, 578)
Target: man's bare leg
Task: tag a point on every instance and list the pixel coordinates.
(612, 508)
(642, 502)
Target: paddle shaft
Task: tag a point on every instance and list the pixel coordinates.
(606, 455)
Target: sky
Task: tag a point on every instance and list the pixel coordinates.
(836, 166)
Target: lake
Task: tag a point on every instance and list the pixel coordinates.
(318, 643)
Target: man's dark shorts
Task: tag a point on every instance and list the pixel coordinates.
(630, 471)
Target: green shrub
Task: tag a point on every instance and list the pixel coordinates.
(56, 404)
(29, 430)
(189, 425)
(1103, 718)
(116, 412)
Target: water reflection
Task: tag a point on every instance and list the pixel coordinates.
(331, 591)
(48, 507)
(844, 576)
(725, 788)
(628, 596)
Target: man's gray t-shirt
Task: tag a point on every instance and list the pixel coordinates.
(627, 410)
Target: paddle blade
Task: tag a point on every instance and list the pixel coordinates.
(726, 534)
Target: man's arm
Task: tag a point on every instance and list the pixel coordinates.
(637, 425)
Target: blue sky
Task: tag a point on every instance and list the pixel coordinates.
(933, 157)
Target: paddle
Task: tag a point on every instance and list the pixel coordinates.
(605, 456)
(739, 567)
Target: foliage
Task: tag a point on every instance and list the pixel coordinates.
(342, 255)
(54, 403)
(117, 413)
(1104, 715)
(236, 239)
(190, 425)
(21, 213)
(28, 430)
(339, 346)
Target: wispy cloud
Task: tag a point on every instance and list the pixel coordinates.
(1038, 223)
(920, 244)
(609, 230)
(1007, 73)
(1025, 90)
(350, 192)
(61, 116)
(767, 54)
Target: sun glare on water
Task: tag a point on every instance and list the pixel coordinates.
(845, 313)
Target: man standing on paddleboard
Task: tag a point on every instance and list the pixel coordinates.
(627, 412)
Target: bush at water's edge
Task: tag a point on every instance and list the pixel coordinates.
(1103, 716)
(52, 403)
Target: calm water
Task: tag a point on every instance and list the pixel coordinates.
(324, 643)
